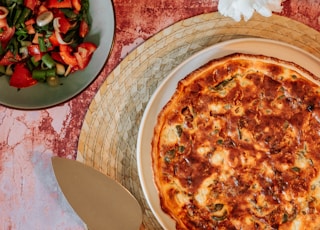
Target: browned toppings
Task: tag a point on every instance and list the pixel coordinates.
(247, 147)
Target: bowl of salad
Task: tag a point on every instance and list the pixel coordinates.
(51, 50)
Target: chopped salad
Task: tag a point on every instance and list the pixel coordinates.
(42, 40)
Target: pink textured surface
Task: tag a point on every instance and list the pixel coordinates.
(29, 197)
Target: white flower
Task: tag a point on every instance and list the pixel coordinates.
(245, 8)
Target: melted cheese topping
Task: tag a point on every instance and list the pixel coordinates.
(238, 147)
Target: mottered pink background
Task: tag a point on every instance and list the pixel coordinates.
(29, 196)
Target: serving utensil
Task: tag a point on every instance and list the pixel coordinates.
(101, 202)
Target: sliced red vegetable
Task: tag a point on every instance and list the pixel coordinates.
(37, 57)
(9, 59)
(34, 50)
(56, 56)
(53, 40)
(91, 47)
(83, 29)
(31, 21)
(42, 9)
(64, 24)
(59, 4)
(76, 5)
(31, 4)
(30, 29)
(67, 56)
(5, 35)
(65, 48)
(84, 54)
(21, 77)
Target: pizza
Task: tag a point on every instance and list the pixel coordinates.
(238, 146)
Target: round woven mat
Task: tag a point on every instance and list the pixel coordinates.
(109, 133)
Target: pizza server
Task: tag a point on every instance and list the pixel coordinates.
(101, 202)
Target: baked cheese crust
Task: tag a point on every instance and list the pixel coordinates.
(238, 147)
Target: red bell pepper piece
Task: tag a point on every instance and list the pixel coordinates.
(31, 4)
(9, 58)
(83, 29)
(91, 47)
(31, 21)
(84, 54)
(53, 40)
(29, 26)
(59, 4)
(21, 77)
(67, 56)
(64, 24)
(56, 56)
(76, 5)
(65, 48)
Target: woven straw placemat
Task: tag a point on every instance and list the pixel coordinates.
(109, 133)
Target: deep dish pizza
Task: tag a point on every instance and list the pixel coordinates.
(238, 147)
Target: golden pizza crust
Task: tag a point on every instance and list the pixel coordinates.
(237, 146)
